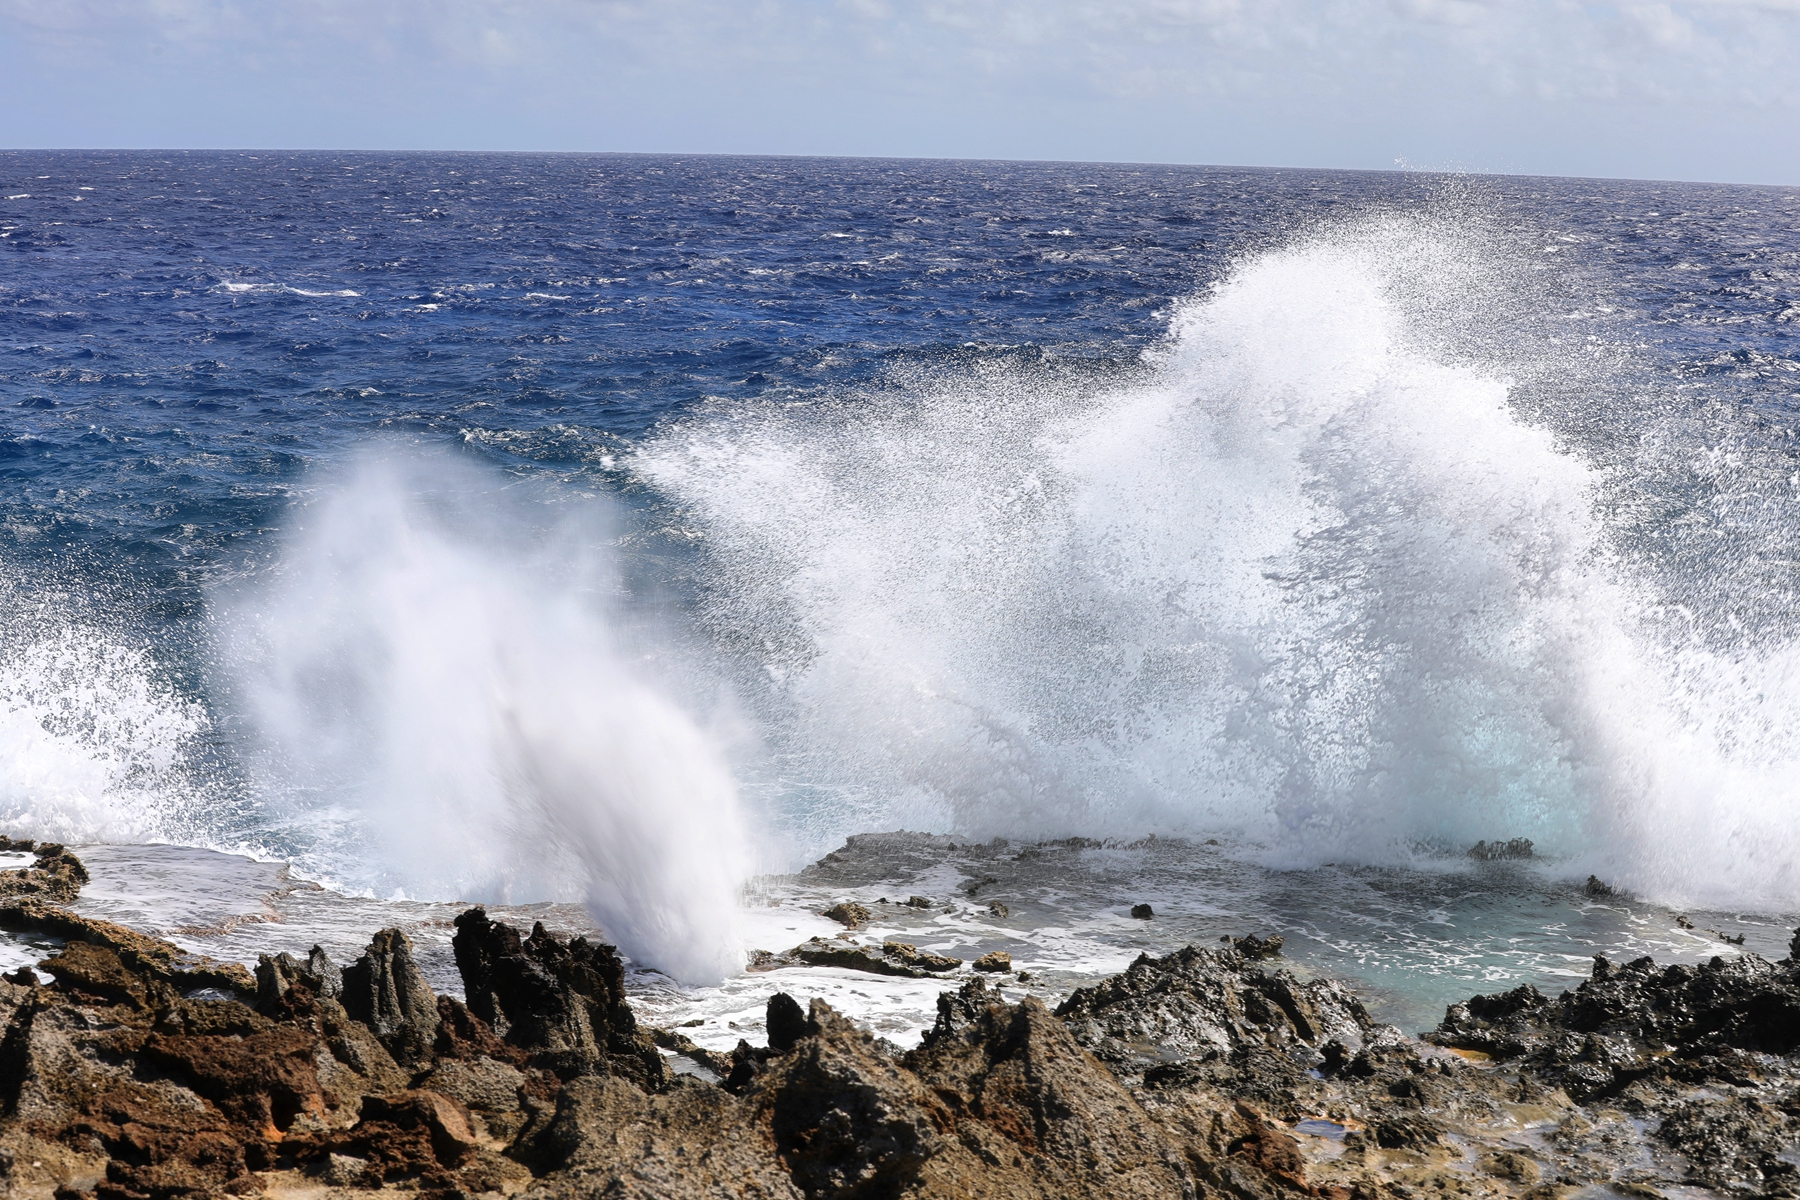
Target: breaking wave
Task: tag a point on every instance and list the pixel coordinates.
(1327, 572)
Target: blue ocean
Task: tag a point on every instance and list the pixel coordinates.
(675, 546)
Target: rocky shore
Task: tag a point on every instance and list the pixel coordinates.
(131, 1070)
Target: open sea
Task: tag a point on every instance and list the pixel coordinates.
(608, 538)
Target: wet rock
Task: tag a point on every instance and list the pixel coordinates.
(1624, 1015)
(57, 876)
(1735, 1144)
(975, 885)
(998, 910)
(1593, 887)
(717, 1066)
(786, 1022)
(917, 902)
(821, 953)
(562, 1002)
(1198, 1000)
(998, 960)
(385, 990)
(911, 956)
(849, 913)
(1143, 912)
(1405, 1131)
(1497, 851)
(1510, 1164)
(1253, 947)
(151, 957)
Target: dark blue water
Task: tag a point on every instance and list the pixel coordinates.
(185, 335)
(195, 345)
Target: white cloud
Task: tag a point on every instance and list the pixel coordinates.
(1683, 86)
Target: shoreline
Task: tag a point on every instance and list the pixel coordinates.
(137, 1070)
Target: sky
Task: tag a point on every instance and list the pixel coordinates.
(1689, 89)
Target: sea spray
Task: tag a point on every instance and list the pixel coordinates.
(1310, 579)
(95, 743)
(440, 700)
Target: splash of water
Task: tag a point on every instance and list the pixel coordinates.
(93, 745)
(1310, 578)
(443, 705)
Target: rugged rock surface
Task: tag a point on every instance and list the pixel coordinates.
(139, 1073)
(1199, 1001)
(900, 959)
(562, 1003)
(56, 876)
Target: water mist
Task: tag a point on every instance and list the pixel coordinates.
(446, 702)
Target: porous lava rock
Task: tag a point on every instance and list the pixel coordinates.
(561, 1002)
(56, 876)
(1198, 1000)
(137, 1072)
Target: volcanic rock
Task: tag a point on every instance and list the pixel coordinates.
(56, 876)
(562, 1002)
(1197, 1000)
(1497, 851)
(385, 990)
(850, 913)
(910, 955)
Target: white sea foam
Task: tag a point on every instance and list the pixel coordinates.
(1309, 579)
(92, 745)
(234, 286)
(447, 706)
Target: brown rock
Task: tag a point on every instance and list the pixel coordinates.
(910, 955)
(609, 1138)
(850, 913)
(57, 876)
(999, 960)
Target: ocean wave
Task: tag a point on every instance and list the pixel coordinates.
(1311, 578)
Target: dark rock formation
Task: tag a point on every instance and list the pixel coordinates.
(385, 990)
(1497, 851)
(1222, 1078)
(896, 958)
(1143, 912)
(563, 1003)
(1197, 1001)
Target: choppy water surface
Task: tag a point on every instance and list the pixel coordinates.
(618, 534)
